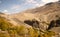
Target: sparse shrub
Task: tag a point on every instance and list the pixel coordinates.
(4, 25)
(21, 30)
(31, 32)
(4, 34)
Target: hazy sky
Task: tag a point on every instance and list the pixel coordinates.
(13, 6)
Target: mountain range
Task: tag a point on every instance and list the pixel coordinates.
(44, 17)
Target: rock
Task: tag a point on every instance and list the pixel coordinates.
(56, 30)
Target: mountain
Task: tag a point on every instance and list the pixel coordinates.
(50, 9)
(42, 20)
(46, 13)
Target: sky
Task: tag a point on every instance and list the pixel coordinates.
(14, 6)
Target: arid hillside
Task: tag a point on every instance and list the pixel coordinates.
(44, 14)
(42, 21)
(47, 12)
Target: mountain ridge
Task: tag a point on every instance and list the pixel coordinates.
(40, 18)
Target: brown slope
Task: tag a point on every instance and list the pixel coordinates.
(45, 12)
